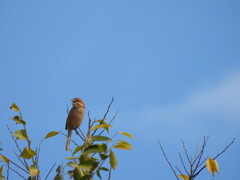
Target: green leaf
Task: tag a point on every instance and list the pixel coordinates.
(51, 134)
(126, 134)
(98, 174)
(93, 149)
(33, 171)
(103, 156)
(104, 169)
(72, 164)
(77, 149)
(122, 147)
(98, 171)
(6, 160)
(78, 173)
(113, 160)
(58, 177)
(18, 120)
(21, 134)
(103, 147)
(27, 153)
(101, 126)
(14, 107)
(89, 164)
(58, 170)
(100, 138)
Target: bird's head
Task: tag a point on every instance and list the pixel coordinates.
(78, 102)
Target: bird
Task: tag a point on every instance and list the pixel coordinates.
(74, 119)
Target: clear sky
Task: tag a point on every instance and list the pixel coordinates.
(173, 67)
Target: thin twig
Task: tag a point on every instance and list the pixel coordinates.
(199, 157)
(224, 149)
(25, 162)
(109, 122)
(181, 172)
(105, 115)
(186, 153)
(109, 174)
(79, 134)
(8, 172)
(16, 165)
(19, 159)
(71, 139)
(50, 171)
(83, 137)
(14, 139)
(17, 172)
(183, 163)
(167, 160)
(89, 120)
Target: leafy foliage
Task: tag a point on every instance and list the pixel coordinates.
(94, 155)
(28, 158)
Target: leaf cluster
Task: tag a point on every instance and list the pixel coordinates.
(28, 157)
(96, 154)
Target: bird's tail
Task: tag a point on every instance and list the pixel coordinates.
(68, 139)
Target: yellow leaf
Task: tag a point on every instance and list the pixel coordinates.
(126, 134)
(183, 177)
(212, 166)
(14, 107)
(122, 147)
(6, 160)
(101, 126)
(121, 142)
(1, 176)
(33, 171)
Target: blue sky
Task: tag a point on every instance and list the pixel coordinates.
(172, 66)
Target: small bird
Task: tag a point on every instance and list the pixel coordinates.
(75, 118)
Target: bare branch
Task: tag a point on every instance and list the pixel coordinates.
(109, 174)
(199, 156)
(25, 162)
(224, 149)
(71, 139)
(186, 153)
(19, 159)
(109, 122)
(80, 134)
(183, 163)
(50, 171)
(105, 115)
(167, 160)
(16, 165)
(217, 156)
(16, 172)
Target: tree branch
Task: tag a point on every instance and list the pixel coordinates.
(168, 160)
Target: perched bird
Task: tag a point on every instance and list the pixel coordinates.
(75, 118)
